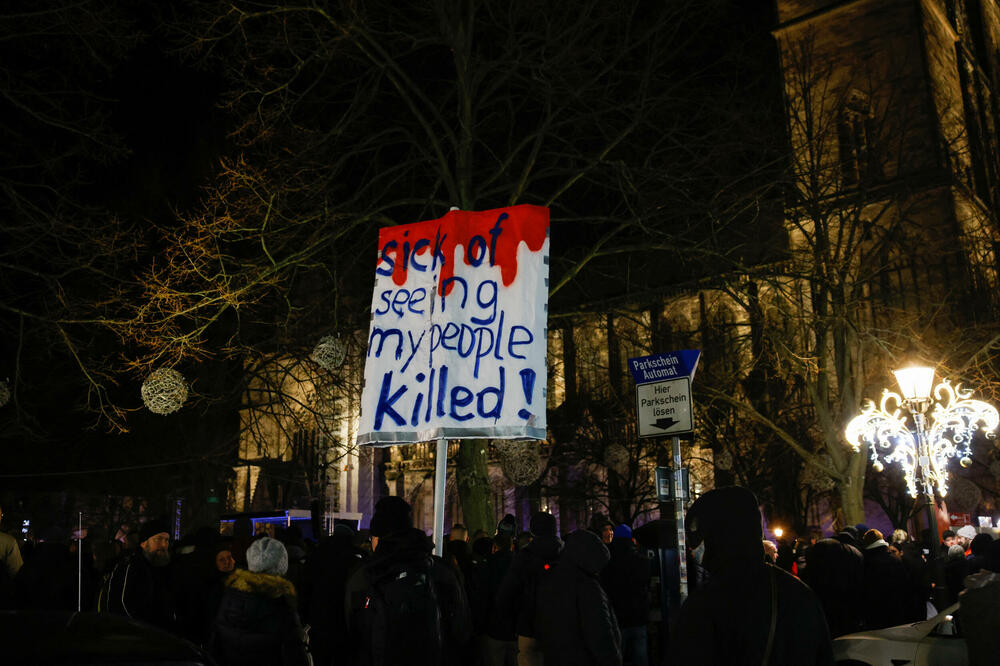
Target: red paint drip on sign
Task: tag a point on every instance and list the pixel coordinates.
(489, 237)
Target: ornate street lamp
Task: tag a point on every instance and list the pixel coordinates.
(923, 450)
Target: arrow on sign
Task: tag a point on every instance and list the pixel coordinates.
(663, 424)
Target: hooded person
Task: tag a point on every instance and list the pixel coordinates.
(258, 622)
(626, 582)
(518, 596)
(980, 612)
(405, 605)
(327, 569)
(835, 571)
(746, 612)
(978, 548)
(577, 623)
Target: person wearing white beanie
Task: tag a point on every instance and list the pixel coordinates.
(964, 537)
(258, 620)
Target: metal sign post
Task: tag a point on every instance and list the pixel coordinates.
(440, 477)
(679, 496)
(664, 408)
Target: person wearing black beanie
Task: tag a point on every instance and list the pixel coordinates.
(518, 599)
(139, 586)
(404, 606)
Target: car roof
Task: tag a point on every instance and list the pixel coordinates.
(59, 637)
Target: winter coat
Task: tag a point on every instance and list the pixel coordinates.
(500, 626)
(920, 585)
(980, 617)
(326, 572)
(137, 589)
(48, 581)
(577, 625)
(626, 581)
(257, 622)
(887, 586)
(517, 597)
(727, 620)
(401, 550)
(835, 571)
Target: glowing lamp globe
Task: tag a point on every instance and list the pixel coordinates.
(915, 382)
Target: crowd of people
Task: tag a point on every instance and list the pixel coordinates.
(509, 598)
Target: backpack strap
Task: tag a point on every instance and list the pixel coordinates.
(774, 617)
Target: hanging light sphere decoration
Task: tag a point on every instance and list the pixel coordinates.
(724, 460)
(816, 478)
(616, 457)
(520, 461)
(965, 495)
(164, 391)
(965, 462)
(878, 466)
(4, 393)
(329, 353)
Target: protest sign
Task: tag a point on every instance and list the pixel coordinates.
(457, 343)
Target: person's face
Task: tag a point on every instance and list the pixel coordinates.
(607, 533)
(963, 542)
(156, 549)
(224, 561)
(949, 541)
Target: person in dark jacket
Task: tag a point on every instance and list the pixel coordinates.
(732, 618)
(887, 584)
(322, 599)
(518, 594)
(835, 571)
(979, 615)
(139, 586)
(977, 560)
(48, 580)
(626, 581)
(214, 587)
(257, 622)
(501, 636)
(955, 570)
(404, 553)
(577, 624)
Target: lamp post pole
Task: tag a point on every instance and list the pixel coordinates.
(938, 434)
(924, 464)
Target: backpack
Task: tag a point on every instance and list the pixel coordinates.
(402, 617)
(538, 584)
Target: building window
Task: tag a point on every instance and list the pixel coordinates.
(855, 134)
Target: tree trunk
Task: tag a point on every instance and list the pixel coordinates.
(852, 499)
(472, 477)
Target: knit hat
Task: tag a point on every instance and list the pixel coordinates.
(392, 514)
(507, 526)
(542, 524)
(623, 531)
(152, 528)
(968, 532)
(267, 555)
(343, 530)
